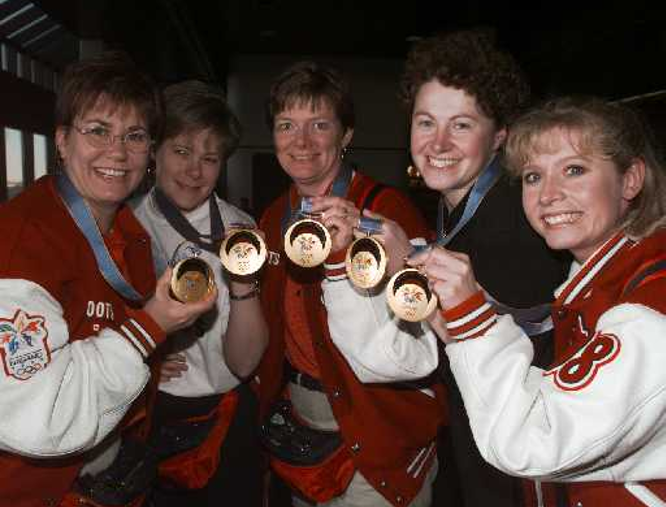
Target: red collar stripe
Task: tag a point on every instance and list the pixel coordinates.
(591, 267)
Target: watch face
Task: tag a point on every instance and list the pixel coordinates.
(192, 280)
(409, 295)
(365, 262)
(243, 252)
(307, 243)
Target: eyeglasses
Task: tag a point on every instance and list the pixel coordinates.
(136, 141)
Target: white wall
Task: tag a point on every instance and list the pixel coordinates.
(381, 136)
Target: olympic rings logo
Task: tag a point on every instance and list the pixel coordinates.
(27, 371)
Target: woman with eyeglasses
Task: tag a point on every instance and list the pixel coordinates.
(80, 310)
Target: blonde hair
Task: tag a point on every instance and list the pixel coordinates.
(609, 130)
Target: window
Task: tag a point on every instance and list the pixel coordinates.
(14, 156)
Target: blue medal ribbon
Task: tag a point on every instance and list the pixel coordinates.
(534, 320)
(486, 180)
(369, 225)
(339, 189)
(83, 217)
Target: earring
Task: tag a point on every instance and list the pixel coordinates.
(413, 172)
(59, 164)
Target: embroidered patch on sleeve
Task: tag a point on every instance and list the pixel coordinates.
(580, 370)
(23, 345)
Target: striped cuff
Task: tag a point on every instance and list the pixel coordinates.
(337, 257)
(142, 332)
(471, 318)
(335, 272)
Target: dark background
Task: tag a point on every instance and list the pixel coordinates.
(613, 48)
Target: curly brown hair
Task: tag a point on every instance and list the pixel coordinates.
(470, 61)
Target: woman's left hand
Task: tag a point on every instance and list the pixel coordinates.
(395, 241)
(339, 216)
(174, 366)
(438, 325)
(449, 273)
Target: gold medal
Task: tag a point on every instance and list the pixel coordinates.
(243, 252)
(366, 258)
(409, 295)
(307, 242)
(192, 280)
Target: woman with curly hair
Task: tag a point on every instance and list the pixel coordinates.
(588, 429)
(463, 91)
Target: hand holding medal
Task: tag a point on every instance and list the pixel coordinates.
(243, 251)
(437, 273)
(192, 278)
(366, 257)
(307, 241)
(409, 295)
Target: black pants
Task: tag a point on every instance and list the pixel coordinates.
(239, 478)
(465, 479)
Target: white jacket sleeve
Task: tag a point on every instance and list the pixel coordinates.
(378, 346)
(59, 397)
(601, 415)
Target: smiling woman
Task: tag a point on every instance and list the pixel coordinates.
(312, 124)
(463, 91)
(324, 342)
(203, 374)
(105, 154)
(189, 165)
(80, 309)
(103, 133)
(592, 421)
(577, 200)
(588, 170)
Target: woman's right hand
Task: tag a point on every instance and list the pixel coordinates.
(450, 274)
(338, 216)
(170, 314)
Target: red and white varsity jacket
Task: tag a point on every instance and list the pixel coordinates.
(72, 349)
(596, 421)
(389, 430)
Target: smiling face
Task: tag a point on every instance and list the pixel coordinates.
(309, 140)
(188, 166)
(452, 141)
(574, 200)
(104, 176)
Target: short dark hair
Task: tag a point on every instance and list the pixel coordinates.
(195, 105)
(308, 82)
(609, 130)
(470, 61)
(111, 76)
